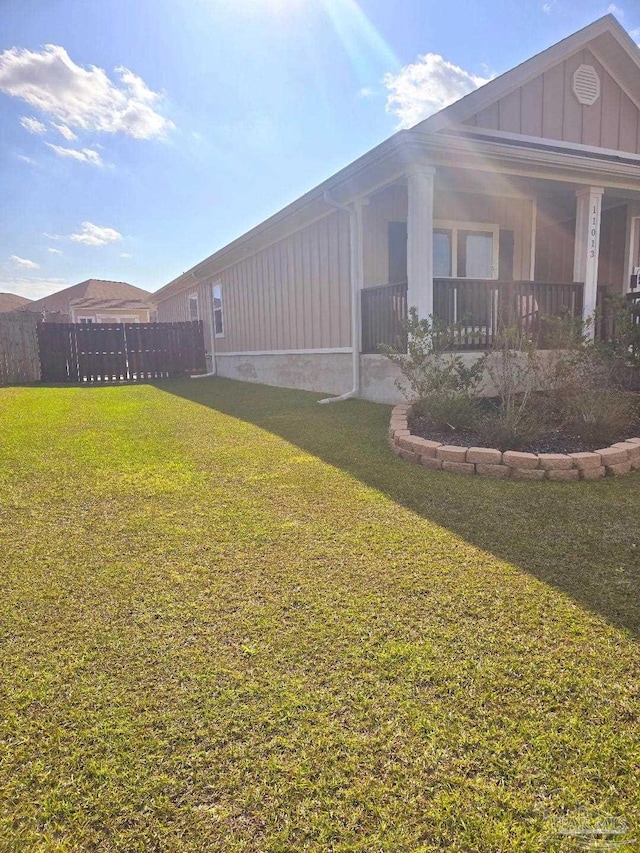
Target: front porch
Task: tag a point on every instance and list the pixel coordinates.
(485, 251)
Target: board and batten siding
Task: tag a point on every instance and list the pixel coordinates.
(291, 295)
(555, 237)
(546, 107)
(391, 204)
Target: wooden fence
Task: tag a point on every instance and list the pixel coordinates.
(119, 352)
(19, 361)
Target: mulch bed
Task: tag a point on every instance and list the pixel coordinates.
(554, 440)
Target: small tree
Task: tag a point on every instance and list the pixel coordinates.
(514, 369)
(430, 367)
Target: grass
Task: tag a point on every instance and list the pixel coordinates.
(231, 620)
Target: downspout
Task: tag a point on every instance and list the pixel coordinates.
(355, 221)
(212, 344)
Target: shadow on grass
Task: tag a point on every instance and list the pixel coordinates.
(583, 538)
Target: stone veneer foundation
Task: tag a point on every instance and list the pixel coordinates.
(620, 458)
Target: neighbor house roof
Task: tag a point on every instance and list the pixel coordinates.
(94, 289)
(606, 38)
(97, 303)
(11, 301)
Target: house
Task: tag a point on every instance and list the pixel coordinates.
(96, 301)
(11, 301)
(523, 196)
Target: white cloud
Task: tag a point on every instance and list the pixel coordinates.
(83, 98)
(33, 287)
(426, 86)
(548, 7)
(87, 155)
(95, 235)
(126, 255)
(33, 125)
(65, 131)
(55, 251)
(25, 262)
(612, 9)
(367, 92)
(26, 159)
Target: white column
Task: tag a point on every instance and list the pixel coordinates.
(587, 245)
(420, 240)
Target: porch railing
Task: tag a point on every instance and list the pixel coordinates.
(384, 311)
(479, 307)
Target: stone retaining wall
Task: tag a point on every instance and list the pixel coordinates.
(620, 458)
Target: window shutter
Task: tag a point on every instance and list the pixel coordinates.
(397, 252)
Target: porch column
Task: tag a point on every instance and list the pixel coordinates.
(420, 240)
(587, 245)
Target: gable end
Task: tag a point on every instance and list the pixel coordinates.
(576, 101)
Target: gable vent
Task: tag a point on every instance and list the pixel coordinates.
(586, 85)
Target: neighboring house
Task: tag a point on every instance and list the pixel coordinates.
(11, 301)
(96, 301)
(523, 195)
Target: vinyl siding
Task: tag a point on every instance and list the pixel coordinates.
(546, 107)
(294, 294)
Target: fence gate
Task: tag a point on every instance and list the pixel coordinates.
(119, 352)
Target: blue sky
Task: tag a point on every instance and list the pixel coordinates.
(154, 132)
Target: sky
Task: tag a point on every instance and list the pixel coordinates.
(137, 138)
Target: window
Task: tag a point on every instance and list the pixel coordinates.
(465, 250)
(442, 255)
(193, 307)
(85, 320)
(218, 319)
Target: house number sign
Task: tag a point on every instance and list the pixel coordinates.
(593, 230)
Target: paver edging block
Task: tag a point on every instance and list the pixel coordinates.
(621, 458)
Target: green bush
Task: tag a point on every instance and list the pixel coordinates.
(600, 417)
(429, 368)
(511, 431)
(616, 317)
(576, 386)
(455, 411)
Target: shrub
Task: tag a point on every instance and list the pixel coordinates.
(510, 431)
(621, 331)
(514, 369)
(454, 411)
(429, 368)
(600, 417)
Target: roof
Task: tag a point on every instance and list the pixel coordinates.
(95, 289)
(11, 301)
(605, 36)
(93, 302)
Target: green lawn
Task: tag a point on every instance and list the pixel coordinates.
(232, 621)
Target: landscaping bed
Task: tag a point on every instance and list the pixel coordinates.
(622, 457)
(556, 438)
